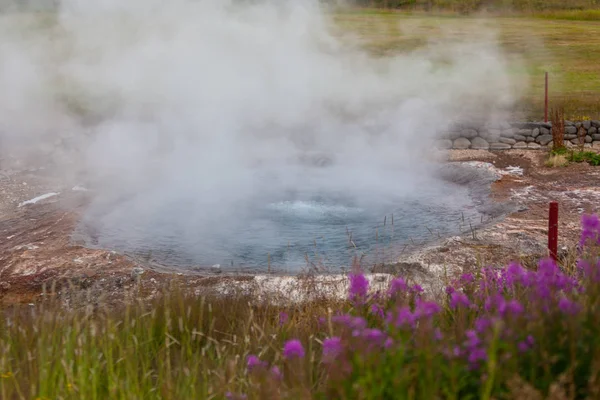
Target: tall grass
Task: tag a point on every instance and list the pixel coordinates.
(497, 333)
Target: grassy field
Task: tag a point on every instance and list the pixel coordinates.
(510, 333)
(565, 44)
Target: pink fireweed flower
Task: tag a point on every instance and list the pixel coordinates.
(526, 344)
(359, 287)
(402, 317)
(376, 309)
(427, 308)
(354, 323)
(482, 324)
(293, 349)
(253, 363)
(590, 232)
(568, 307)
(467, 278)
(397, 285)
(276, 373)
(283, 318)
(332, 348)
(374, 336)
(417, 289)
(459, 299)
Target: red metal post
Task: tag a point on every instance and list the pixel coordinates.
(546, 99)
(553, 231)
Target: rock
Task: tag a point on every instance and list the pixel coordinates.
(544, 131)
(587, 146)
(547, 125)
(596, 136)
(533, 146)
(468, 133)
(592, 130)
(536, 132)
(519, 145)
(507, 133)
(499, 146)
(479, 143)
(461, 143)
(588, 139)
(571, 130)
(595, 123)
(443, 144)
(495, 133)
(530, 139)
(136, 271)
(216, 269)
(596, 145)
(452, 135)
(544, 139)
(575, 141)
(569, 123)
(520, 138)
(507, 140)
(577, 125)
(587, 124)
(569, 136)
(525, 132)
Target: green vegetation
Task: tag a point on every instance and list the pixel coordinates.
(494, 333)
(534, 43)
(572, 155)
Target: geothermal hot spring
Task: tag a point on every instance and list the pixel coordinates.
(251, 134)
(308, 224)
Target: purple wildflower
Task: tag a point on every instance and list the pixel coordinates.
(235, 396)
(427, 308)
(567, 306)
(516, 274)
(374, 336)
(388, 343)
(437, 334)
(459, 299)
(377, 310)
(397, 285)
(402, 317)
(512, 307)
(467, 278)
(283, 318)
(359, 287)
(332, 348)
(476, 355)
(416, 289)
(354, 323)
(253, 362)
(293, 349)
(590, 231)
(450, 290)
(276, 373)
(482, 324)
(526, 344)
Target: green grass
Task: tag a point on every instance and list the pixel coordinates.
(577, 156)
(553, 41)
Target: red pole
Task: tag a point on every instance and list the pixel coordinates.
(553, 231)
(546, 99)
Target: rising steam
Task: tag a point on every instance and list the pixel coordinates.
(198, 110)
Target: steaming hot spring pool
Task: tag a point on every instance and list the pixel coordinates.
(287, 231)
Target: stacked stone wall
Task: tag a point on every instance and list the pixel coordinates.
(518, 135)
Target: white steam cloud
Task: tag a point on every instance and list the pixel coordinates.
(197, 109)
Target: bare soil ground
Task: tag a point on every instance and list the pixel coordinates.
(37, 252)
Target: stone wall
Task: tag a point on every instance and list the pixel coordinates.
(517, 135)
